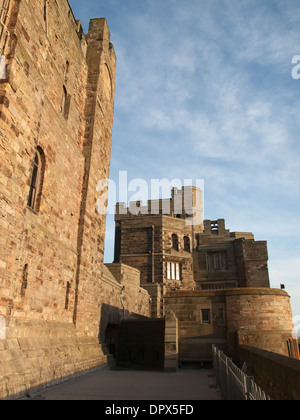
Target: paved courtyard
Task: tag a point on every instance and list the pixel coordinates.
(104, 384)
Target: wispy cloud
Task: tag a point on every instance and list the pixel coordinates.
(204, 90)
(185, 84)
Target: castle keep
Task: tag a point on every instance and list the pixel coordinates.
(170, 244)
(216, 282)
(184, 281)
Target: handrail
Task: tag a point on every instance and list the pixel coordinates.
(233, 382)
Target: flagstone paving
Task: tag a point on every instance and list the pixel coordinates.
(113, 385)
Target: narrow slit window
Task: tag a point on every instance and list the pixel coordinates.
(36, 181)
(66, 71)
(46, 15)
(68, 289)
(65, 103)
(24, 280)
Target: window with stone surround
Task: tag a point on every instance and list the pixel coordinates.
(217, 261)
(37, 180)
(175, 242)
(187, 244)
(205, 316)
(173, 271)
(65, 103)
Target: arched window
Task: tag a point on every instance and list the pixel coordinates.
(175, 242)
(187, 244)
(37, 180)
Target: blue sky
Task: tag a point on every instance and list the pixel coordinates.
(204, 90)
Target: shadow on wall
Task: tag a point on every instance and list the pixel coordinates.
(111, 318)
(137, 342)
(120, 339)
(141, 344)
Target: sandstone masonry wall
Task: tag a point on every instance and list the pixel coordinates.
(31, 117)
(260, 318)
(57, 98)
(257, 317)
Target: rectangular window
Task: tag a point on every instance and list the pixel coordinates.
(169, 271)
(177, 271)
(205, 313)
(217, 261)
(173, 271)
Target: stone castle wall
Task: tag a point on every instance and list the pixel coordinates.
(60, 248)
(30, 117)
(261, 318)
(57, 98)
(258, 317)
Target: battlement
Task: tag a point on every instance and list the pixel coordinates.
(186, 203)
(217, 228)
(77, 23)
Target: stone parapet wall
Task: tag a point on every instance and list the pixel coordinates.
(277, 375)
